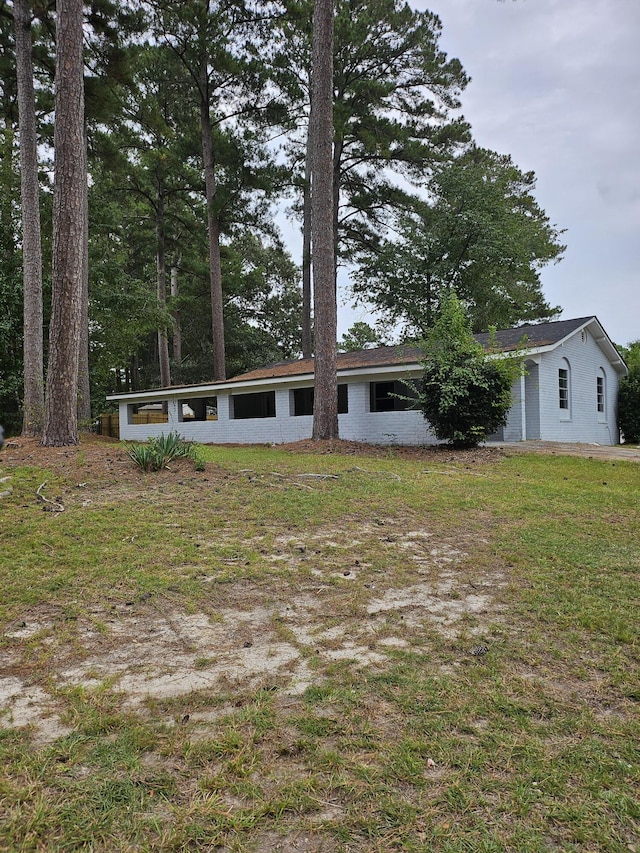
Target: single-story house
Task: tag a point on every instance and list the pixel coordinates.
(567, 393)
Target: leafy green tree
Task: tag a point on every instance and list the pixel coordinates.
(362, 336)
(464, 395)
(218, 44)
(629, 395)
(395, 90)
(629, 407)
(480, 232)
(631, 354)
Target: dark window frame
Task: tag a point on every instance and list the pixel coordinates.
(254, 406)
(199, 405)
(388, 396)
(303, 401)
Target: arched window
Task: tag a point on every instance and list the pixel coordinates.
(601, 394)
(564, 390)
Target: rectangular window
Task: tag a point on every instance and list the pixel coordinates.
(563, 388)
(303, 401)
(600, 393)
(260, 405)
(147, 413)
(390, 397)
(199, 409)
(343, 400)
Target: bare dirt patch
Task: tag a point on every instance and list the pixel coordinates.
(278, 634)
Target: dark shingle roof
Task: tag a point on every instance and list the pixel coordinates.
(378, 357)
(537, 335)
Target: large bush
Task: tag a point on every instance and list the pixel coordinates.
(464, 395)
(629, 407)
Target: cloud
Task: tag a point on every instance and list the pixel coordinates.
(556, 84)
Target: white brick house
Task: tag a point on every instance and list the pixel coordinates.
(568, 393)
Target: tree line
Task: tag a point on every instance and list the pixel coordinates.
(147, 148)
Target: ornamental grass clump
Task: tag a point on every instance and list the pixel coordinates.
(160, 450)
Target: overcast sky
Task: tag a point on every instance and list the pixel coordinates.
(556, 84)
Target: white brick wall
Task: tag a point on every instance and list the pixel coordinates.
(359, 424)
(541, 414)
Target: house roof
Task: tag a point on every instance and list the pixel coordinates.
(536, 334)
(366, 358)
(537, 338)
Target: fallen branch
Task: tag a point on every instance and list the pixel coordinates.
(54, 505)
(318, 476)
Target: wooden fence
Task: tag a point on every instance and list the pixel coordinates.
(110, 422)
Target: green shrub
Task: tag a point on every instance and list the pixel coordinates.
(464, 395)
(629, 407)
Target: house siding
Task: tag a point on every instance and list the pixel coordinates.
(584, 423)
(532, 399)
(512, 430)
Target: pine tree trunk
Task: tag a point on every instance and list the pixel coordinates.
(70, 178)
(177, 329)
(84, 389)
(31, 244)
(325, 415)
(161, 269)
(336, 165)
(215, 271)
(307, 336)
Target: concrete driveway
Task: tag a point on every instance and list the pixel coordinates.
(561, 448)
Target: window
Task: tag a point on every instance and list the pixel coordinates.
(199, 409)
(389, 397)
(147, 413)
(601, 395)
(303, 401)
(563, 387)
(564, 390)
(260, 405)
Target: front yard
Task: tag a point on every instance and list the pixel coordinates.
(361, 650)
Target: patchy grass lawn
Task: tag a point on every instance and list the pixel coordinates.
(319, 652)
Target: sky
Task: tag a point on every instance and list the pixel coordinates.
(556, 84)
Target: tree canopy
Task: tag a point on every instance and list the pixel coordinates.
(196, 124)
(478, 231)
